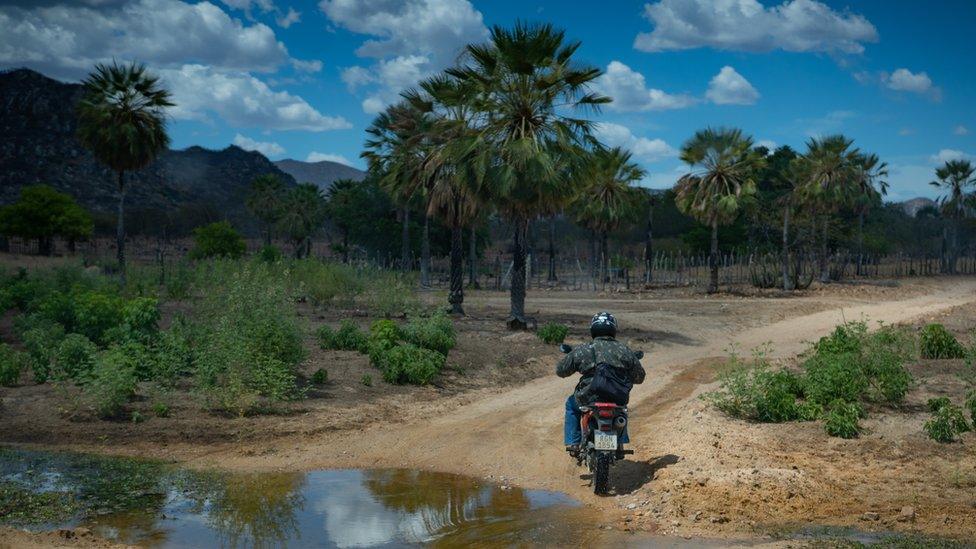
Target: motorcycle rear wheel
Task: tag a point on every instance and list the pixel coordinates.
(601, 474)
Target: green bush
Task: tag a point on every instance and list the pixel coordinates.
(552, 332)
(12, 363)
(937, 342)
(250, 341)
(935, 404)
(408, 363)
(41, 338)
(218, 239)
(113, 382)
(842, 419)
(435, 333)
(74, 358)
(347, 338)
(140, 318)
(172, 352)
(834, 376)
(971, 405)
(178, 281)
(845, 338)
(95, 314)
(269, 254)
(320, 376)
(367, 380)
(383, 336)
(946, 424)
(755, 392)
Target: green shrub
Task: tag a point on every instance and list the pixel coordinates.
(435, 333)
(218, 239)
(140, 318)
(319, 282)
(178, 281)
(389, 294)
(74, 358)
(12, 363)
(755, 392)
(269, 254)
(842, 419)
(971, 405)
(937, 342)
(41, 338)
(888, 378)
(845, 338)
(113, 382)
(408, 363)
(160, 409)
(830, 377)
(776, 400)
(552, 332)
(347, 338)
(320, 377)
(935, 404)
(250, 342)
(172, 352)
(96, 313)
(946, 424)
(809, 411)
(367, 380)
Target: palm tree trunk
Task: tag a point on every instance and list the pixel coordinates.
(516, 319)
(787, 279)
(713, 261)
(405, 241)
(456, 296)
(604, 258)
(954, 248)
(120, 229)
(860, 241)
(473, 259)
(345, 245)
(552, 250)
(425, 254)
(649, 245)
(593, 259)
(944, 259)
(824, 263)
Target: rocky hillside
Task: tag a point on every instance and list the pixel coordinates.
(322, 173)
(39, 145)
(911, 207)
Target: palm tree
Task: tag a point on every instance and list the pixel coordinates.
(828, 172)
(265, 201)
(954, 179)
(723, 167)
(341, 201)
(305, 212)
(651, 201)
(870, 185)
(528, 86)
(607, 198)
(121, 121)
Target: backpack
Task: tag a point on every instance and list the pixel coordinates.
(609, 384)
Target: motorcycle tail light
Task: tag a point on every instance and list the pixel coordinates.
(606, 413)
(605, 427)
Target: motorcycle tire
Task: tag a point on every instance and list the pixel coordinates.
(601, 474)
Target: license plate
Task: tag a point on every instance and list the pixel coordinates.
(603, 441)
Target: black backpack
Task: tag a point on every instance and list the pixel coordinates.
(609, 384)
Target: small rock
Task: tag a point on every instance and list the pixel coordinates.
(675, 523)
(870, 515)
(718, 520)
(506, 487)
(696, 516)
(82, 532)
(702, 482)
(907, 514)
(632, 506)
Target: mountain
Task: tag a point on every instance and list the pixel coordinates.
(322, 173)
(912, 206)
(38, 123)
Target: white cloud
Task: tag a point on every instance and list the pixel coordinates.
(319, 157)
(797, 25)
(266, 148)
(946, 155)
(264, 5)
(907, 81)
(66, 40)
(909, 181)
(306, 66)
(728, 87)
(905, 131)
(289, 19)
(411, 40)
(961, 130)
(832, 122)
(770, 145)
(647, 150)
(630, 93)
(242, 100)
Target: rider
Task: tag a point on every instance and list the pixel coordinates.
(583, 359)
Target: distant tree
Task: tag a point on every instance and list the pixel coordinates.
(870, 187)
(265, 200)
(218, 239)
(345, 206)
(723, 167)
(305, 212)
(954, 179)
(42, 213)
(121, 121)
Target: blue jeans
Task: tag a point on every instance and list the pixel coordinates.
(572, 432)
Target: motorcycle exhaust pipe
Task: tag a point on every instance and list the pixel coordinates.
(620, 422)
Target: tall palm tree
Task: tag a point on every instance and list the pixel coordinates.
(828, 172)
(607, 198)
(528, 87)
(870, 186)
(954, 178)
(121, 121)
(650, 200)
(723, 166)
(305, 212)
(265, 201)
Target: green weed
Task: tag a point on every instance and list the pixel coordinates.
(946, 424)
(937, 342)
(552, 333)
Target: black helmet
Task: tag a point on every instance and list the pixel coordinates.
(603, 325)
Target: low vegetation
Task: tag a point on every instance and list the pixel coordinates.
(937, 342)
(552, 333)
(947, 422)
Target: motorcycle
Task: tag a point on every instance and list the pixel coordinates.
(602, 424)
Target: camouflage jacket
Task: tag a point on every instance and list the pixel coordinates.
(584, 358)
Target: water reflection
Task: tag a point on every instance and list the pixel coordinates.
(153, 505)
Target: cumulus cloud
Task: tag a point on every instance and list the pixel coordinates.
(266, 148)
(907, 81)
(289, 18)
(306, 66)
(242, 100)
(65, 40)
(411, 39)
(315, 156)
(946, 155)
(630, 92)
(747, 25)
(647, 150)
(961, 130)
(728, 87)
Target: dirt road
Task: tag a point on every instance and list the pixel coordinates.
(516, 435)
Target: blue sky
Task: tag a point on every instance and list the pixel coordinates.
(302, 79)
